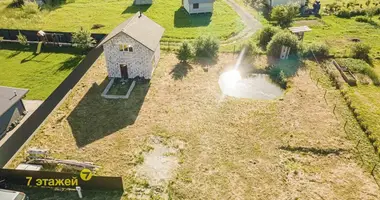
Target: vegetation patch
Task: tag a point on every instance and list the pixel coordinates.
(69, 17)
(40, 73)
(359, 66)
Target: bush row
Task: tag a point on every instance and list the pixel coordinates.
(204, 46)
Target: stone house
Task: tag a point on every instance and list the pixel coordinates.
(132, 49)
(198, 6)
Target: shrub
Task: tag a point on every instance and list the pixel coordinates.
(83, 40)
(206, 46)
(22, 39)
(266, 34)
(360, 66)
(360, 51)
(30, 8)
(319, 50)
(284, 14)
(371, 12)
(278, 76)
(357, 12)
(343, 13)
(362, 19)
(185, 52)
(251, 50)
(283, 38)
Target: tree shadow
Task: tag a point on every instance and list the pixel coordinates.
(183, 19)
(206, 62)
(70, 63)
(136, 8)
(29, 58)
(313, 150)
(14, 54)
(96, 117)
(180, 70)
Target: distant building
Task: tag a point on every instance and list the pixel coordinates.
(273, 3)
(143, 2)
(132, 49)
(12, 108)
(198, 6)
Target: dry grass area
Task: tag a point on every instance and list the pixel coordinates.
(233, 148)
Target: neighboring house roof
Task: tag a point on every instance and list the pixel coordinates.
(9, 96)
(140, 28)
(201, 1)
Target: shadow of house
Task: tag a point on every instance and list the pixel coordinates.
(136, 8)
(180, 70)
(96, 117)
(183, 19)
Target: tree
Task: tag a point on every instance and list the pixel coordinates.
(185, 52)
(360, 51)
(22, 39)
(284, 14)
(206, 46)
(266, 34)
(83, 40)
(283, 38)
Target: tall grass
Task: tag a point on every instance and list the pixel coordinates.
(360, 66)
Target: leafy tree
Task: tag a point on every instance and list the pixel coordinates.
(185, 52)
(206, 46)
(22, 39)
(360, 51)
(83, 40)
(266, 34)
(283, 38)
(284, 14)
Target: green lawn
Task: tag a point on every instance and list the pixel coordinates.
(178, 24)
(42, 73)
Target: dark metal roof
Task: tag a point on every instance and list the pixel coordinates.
(201, 1)
(9, 96)
(140, 28)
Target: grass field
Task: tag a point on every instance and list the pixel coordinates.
(338, 34)
(85, 13)
(294, 148)
(41, 73)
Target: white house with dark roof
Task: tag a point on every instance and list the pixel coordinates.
(198, 6)
(132, 49)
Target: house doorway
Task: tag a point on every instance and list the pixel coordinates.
(124, 71)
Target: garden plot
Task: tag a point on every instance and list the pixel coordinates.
(234, 148)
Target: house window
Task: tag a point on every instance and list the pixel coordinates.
(195, 5)
(125, 48)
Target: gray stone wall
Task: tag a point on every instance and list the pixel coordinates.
(139, 62)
